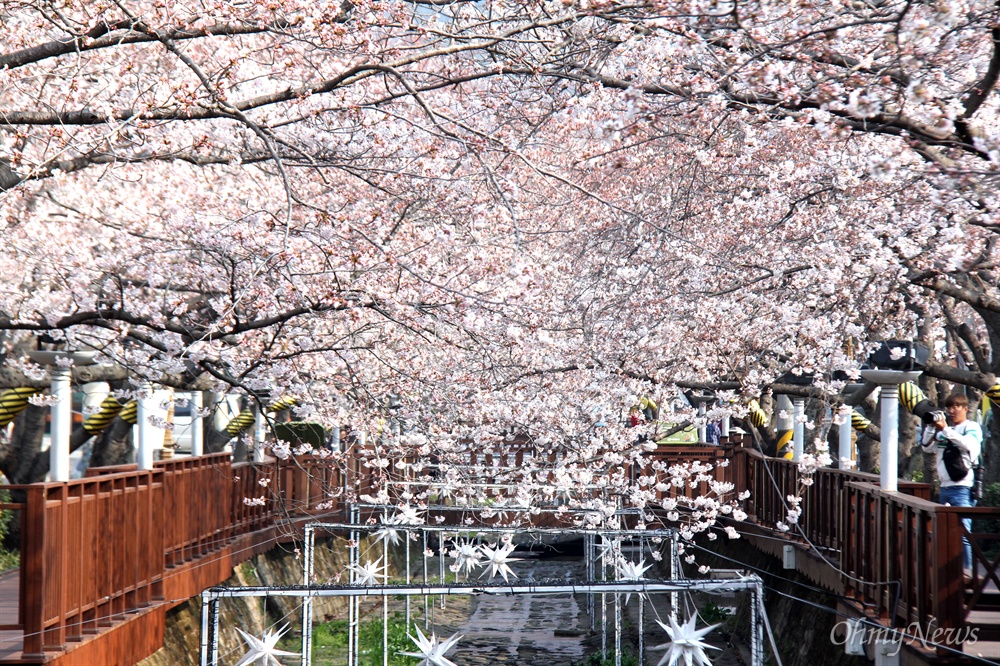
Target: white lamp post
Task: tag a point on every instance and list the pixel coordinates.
(845, 445)
(798, 427)
(60, 364)
(889, 381)
(197, 426)
(701, 402)
(145, 408)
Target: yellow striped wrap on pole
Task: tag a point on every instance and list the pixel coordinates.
(110, 408)
(910, 395)
(241, 422)
(13, 402)
(859, 422)
(282, 403)
(130, 412)
(756, 416)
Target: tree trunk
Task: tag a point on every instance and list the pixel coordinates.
(114, 445)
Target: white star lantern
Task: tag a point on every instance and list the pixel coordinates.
(608, 549)
(686, 644)
(431, 650)
(632, 571)
(498, 560)
(369, 573)
(263, 650)
(466, 557)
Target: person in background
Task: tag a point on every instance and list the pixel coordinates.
(967, 436)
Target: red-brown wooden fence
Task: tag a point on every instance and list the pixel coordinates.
(98, 548)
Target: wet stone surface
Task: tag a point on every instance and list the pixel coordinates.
(548, 630)
(519, 629)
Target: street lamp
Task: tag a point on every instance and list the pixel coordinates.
(896, 362)
(60, 364)
(701, 401)
(798, 410)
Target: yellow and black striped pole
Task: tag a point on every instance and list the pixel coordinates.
(240, 423)
(785, 428)
(282, 403)
(130, 412)
(13, 402)
(110, 408)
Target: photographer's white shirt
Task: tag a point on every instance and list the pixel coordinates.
(967, 436)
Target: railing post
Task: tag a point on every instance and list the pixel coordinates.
(33, 569)
(946, 571)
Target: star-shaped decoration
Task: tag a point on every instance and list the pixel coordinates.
(498, 560)
(431, 650)
(407, 515)
(368, 574)
(466, 557)
(263, 650)
(608, 548)
(631, 571)
(387, 533)
(686, 643)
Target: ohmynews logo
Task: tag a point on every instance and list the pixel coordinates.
(855, 633)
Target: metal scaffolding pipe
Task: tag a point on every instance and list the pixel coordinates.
(608, 587)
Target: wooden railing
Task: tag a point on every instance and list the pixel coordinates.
(902, 558)
(96, 548)
(73, 583)
(772, 480)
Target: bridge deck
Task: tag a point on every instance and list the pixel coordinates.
(10, 640)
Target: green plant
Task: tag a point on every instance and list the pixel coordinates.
(8, 559)
(628, 659)
(712, 613)
(370, 642)
(330, 642)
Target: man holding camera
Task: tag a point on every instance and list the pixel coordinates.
(957, 447)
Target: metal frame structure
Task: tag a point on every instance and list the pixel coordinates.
(212, 596)
(354, 526)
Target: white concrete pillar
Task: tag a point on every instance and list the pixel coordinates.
(146, 435)
(335, 438)
(62, 423)
(798, 429)
(259, 429)
(725, 426)
(784, 424)
(703, 428)
(94, 394)
(197, 424)
(845, 443)
(890, 437)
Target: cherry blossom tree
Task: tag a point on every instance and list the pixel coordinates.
(505, 214)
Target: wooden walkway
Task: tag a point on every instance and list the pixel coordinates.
(10, 640)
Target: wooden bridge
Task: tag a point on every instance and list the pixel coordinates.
(103, 558)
